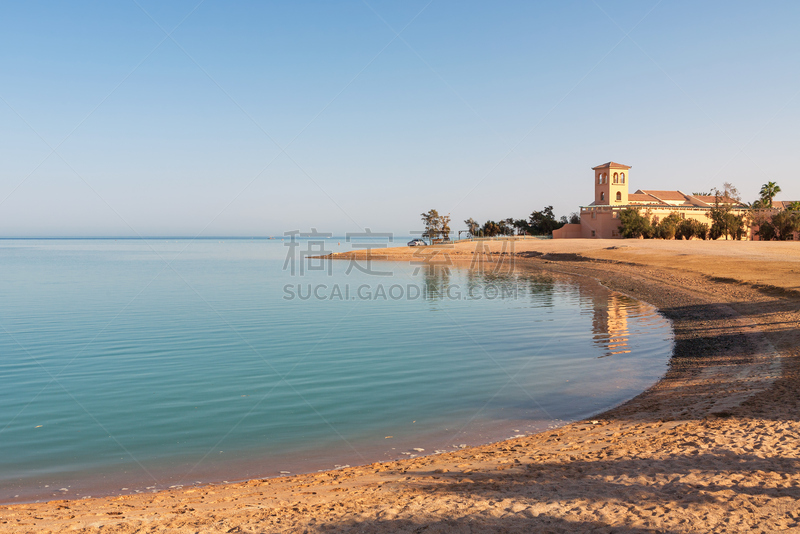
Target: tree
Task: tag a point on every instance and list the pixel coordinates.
(786, 224)
(444, 226)
(685, 229)
(768, 192)
(666, 228)
(781, 226)
(689, 228)
(723, 221)
(729, 191)
(506, 226)
(521, 226)
(574, 218)
(794, 206)
(433, 225)
(761, 219)
(633, 224)
(543, 222)
(490, 229)
(472, 226)
(766, 230)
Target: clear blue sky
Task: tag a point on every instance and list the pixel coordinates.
(255, 118)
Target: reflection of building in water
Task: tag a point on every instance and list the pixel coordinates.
(610, 322)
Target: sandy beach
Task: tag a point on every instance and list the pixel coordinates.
(712, 447)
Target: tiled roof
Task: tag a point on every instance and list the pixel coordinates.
(611, 165)
(667, 195)
(711, 199)
(676, 199)
(636, 197)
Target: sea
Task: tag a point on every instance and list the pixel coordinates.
(136, 365)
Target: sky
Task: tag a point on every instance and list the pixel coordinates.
(210, 118)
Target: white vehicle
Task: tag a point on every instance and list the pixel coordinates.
(416, 243)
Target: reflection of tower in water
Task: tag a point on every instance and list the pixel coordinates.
(610, 322)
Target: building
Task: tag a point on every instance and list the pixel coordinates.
(600, 219)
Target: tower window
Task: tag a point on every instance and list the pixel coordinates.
(616, 178)
(622, 177)
(600, 178)
(602, 195)
(619, 196)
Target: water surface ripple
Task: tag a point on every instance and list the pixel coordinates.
(120, 370)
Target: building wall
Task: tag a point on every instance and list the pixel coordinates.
(599, 223)
(568, 231)
(602, 222)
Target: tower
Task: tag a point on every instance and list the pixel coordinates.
(611, 184)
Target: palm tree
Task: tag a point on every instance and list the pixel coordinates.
(768, 192)
(794, 206)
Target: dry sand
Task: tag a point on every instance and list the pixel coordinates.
(711, 447)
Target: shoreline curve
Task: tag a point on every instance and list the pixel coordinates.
(656, 461)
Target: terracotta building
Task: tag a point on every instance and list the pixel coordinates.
(600, 219)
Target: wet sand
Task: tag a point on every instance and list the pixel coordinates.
(714, 446)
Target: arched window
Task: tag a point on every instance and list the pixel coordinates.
(602, 195)
(622, 178)
(616, 178)
(619, 196)
(600, 178)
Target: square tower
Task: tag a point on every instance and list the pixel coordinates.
(611, 184)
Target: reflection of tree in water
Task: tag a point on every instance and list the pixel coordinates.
(474, 281)
(436, 280)
(500, 285)
(542, 290)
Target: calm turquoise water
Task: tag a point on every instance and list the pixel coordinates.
(137, 365)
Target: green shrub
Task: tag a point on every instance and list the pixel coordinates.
(633, 224)
(689, 228)
(701, 230)
(666, 227)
